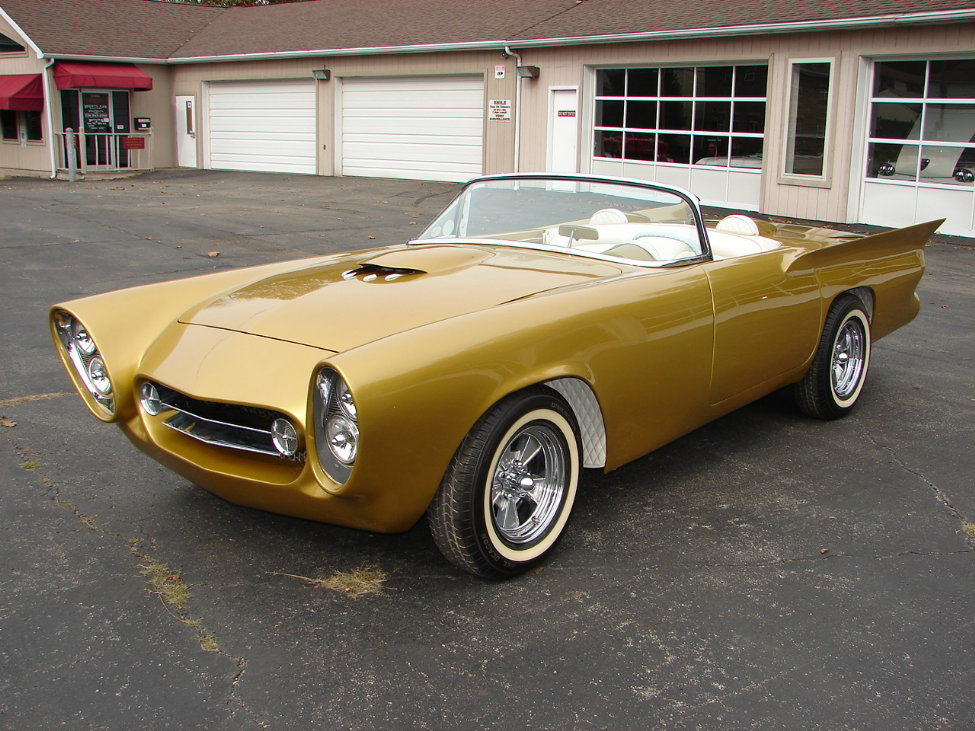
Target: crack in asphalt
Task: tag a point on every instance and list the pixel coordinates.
(938, 492)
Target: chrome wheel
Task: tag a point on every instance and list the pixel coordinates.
(508, 493)
(528, 483)
(849, 354)
(834, 381)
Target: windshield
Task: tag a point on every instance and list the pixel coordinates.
(639, 224)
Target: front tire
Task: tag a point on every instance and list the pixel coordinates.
(507, 495)
(835, 379)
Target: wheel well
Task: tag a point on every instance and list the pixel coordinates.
(581, 399)
(865, 295)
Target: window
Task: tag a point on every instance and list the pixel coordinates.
(9, 45)
(808, 116)
(694, 115)
(922, 122)
(13, 122)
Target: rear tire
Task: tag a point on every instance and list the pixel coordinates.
(835, 379)
(507, 495)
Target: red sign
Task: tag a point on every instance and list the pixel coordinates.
(134, 143)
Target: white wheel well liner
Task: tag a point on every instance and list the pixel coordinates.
(589, 416)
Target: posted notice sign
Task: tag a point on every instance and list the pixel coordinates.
(499, 110)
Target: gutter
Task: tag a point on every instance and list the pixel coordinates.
(49, 101)
(518, 80)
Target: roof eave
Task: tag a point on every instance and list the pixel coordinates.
(944, 16)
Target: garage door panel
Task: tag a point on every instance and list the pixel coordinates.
(411, 152)
(265, 126)
(418, 128)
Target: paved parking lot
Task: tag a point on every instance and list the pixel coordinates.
(765, 571)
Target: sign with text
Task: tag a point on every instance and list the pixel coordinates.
(133, 143)
(499, 110)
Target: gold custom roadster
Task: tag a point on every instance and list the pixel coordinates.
(540, 325)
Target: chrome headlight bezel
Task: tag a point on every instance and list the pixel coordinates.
(336, 424)
(86, 363)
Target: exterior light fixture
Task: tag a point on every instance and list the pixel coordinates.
(528, 72)
(322, 74)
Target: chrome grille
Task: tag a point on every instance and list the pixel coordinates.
(234, 426)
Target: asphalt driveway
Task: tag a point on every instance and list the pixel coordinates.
(766, 571)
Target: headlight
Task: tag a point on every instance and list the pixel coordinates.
(336, 425)
(89, 367)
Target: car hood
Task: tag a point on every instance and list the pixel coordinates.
(355, 299)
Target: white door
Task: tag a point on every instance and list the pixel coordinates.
(418, 128)
(263, 126)
(186, 131)
(563, 138)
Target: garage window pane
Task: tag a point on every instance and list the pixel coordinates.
(949, 122)
(712, 116)
(674, 148)
(751, 81)
(609, 113)
(641, 115)
(710, 150)
(746, 152)
(640, 146)
(896, 121)
(943, 164)
(608, 144)
(897, 162)
(953, 79)
(808, 107)
(675, 115)
(677, 82)
(903, 79)
(714, 81)
(642, 82)
(749, 117)
(610, 82)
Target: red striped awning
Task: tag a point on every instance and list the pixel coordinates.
(85, 75)
(23, 92)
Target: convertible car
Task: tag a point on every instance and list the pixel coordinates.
(542, 324)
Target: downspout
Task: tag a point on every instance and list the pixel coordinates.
(50, 119)
(517, 154)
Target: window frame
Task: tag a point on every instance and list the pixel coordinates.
(926, 101)
(21, 124)
(696, 101)
(824, 179)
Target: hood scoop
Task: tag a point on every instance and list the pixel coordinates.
(371, 272)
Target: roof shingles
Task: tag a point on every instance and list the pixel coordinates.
(170, 30)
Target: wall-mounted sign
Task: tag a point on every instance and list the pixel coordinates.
(499, 110)
(499, 71)
(142, 123)
(133, 143)
(567, 112)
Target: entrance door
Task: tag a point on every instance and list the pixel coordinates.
(563, 140)
(96, 116)
(105, 123)
(186, 131)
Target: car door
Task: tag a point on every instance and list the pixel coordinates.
(766, 321)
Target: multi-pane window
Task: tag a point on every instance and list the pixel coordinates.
(922, 122)
(703, 115)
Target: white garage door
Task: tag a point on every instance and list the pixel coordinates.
(423, 128)
(264, 126)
